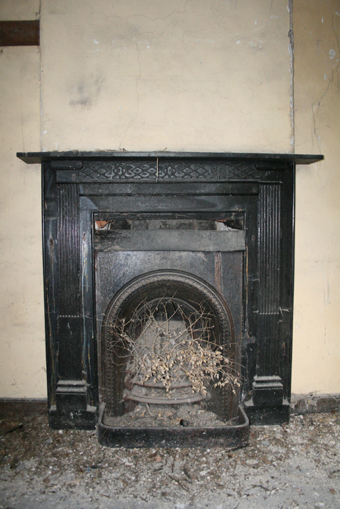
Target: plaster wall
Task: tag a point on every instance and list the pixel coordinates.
(15, 10)
(181, 75)
(22, 350)
(155, 75)
(316, 354)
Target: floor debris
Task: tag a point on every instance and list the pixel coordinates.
(287, 467)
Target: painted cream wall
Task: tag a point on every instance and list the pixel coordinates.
(183, 75)
(14, 10)
(22, 349)
(316, 355)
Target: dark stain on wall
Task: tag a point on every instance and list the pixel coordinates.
(86, 91)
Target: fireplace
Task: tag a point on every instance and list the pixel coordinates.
(189, 248)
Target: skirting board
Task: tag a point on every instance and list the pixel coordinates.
(300, 404)
(314, 403)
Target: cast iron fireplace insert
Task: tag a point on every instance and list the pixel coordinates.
(213, 231)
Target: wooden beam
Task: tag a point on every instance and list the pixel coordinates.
(19, 33)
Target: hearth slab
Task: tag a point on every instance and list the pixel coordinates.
(231, 437)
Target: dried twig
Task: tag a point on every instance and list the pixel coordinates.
(168, 344)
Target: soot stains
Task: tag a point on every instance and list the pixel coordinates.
(86, 90)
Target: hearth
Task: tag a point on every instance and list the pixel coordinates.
(153, 261)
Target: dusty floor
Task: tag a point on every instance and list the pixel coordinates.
(294, 466)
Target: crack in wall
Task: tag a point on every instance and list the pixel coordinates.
(141, 15)
(133, 119)
(291, 71)
(21, 115)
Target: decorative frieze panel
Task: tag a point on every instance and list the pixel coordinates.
(162, 170)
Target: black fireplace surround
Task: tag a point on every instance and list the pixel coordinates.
(211, 228)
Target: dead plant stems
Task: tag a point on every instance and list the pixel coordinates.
(168, 343)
